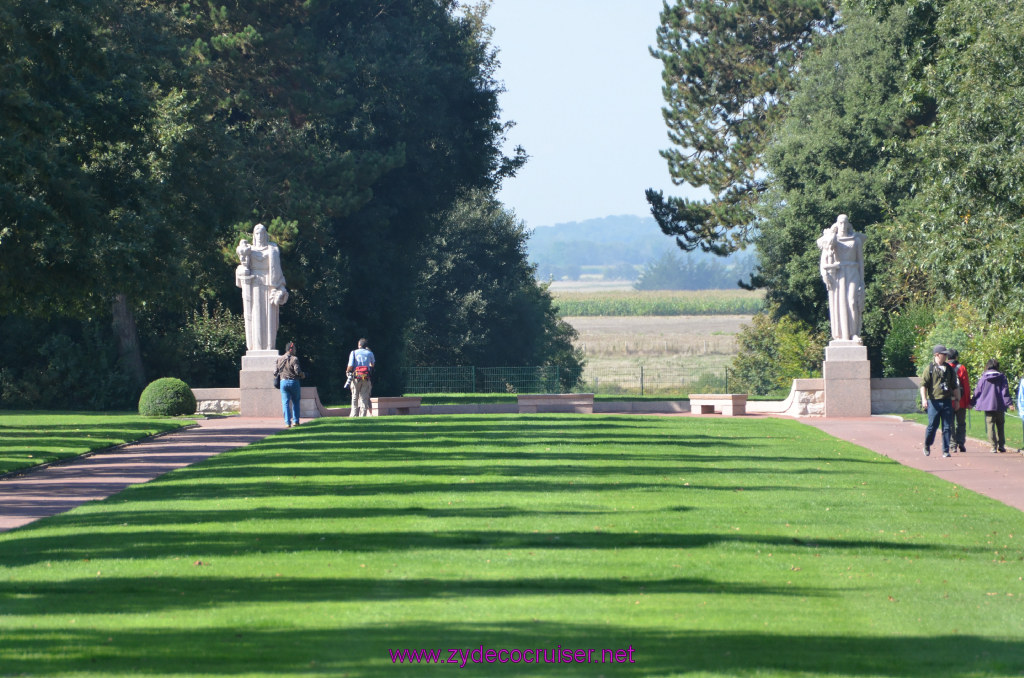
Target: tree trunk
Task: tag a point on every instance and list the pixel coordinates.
(128, 351)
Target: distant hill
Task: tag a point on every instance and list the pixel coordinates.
(616, 247)
(599, 242)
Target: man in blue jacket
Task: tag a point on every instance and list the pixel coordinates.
(360, 370)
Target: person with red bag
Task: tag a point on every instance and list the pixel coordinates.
(960, 412)
(360, 371)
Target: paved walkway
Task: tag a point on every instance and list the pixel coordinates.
(1000, 476)
(56, 489)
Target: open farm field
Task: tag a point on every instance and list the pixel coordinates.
(660, 302)
(651, 354)
(658, 336)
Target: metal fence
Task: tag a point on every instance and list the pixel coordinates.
(647, 380)
(468, 379)
(671, 382)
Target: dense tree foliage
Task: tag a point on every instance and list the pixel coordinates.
(478, 302)
(831, 155)
(963, 224)
(908, 120)
(726, 67)
(142, 139)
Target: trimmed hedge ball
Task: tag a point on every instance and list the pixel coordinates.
(167, 397)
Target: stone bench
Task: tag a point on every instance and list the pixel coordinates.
(579, 403)
(380, 407)
(729, 404)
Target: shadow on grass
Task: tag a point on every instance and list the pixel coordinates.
(113, 595)
(364, 651)
(22, 447)
(191, 542)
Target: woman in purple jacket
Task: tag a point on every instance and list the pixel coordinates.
(992, 396)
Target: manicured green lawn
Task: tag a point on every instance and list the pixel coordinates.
(31, 438)
(976, 428)
(756, 547)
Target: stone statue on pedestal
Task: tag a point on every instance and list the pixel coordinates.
(842, 269)
(261, 279)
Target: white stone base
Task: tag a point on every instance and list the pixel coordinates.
(260, 361)
(842, 350)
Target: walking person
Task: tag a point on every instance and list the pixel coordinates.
(940, 394)
(960, 413)
(360, 369)
(992, 396)
(290, 372)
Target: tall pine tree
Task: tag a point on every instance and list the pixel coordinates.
(726, 67)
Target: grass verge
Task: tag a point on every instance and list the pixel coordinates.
(29, 439)
(754, 547)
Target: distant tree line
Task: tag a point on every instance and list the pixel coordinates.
(903, 114)
(623, 248)
(688, 272)
(141, 140)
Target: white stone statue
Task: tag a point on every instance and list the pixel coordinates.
(842, 269)
(263, 292)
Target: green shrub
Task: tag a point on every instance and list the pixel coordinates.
(961, 326)
(168, 397)
(908, 328)
(202, 348)
(773, 352)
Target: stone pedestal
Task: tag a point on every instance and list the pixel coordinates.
(258, 397)
(847, 379)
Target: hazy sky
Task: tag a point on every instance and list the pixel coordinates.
(586, 98)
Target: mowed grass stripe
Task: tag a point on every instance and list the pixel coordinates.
(711, 547)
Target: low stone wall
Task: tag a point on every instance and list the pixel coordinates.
(895, 394)
(806, 399)
(642, 406)
(229, 401)
(217, 400)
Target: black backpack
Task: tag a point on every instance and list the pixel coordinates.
(949, 377)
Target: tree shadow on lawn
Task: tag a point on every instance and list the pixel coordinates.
(558, 427)
(254, 490)
(401, 439)
(325, 468)
(22, 448)
(364, 651)
(142, 595)
(80, 434)
(232, 516)
(207, 541)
